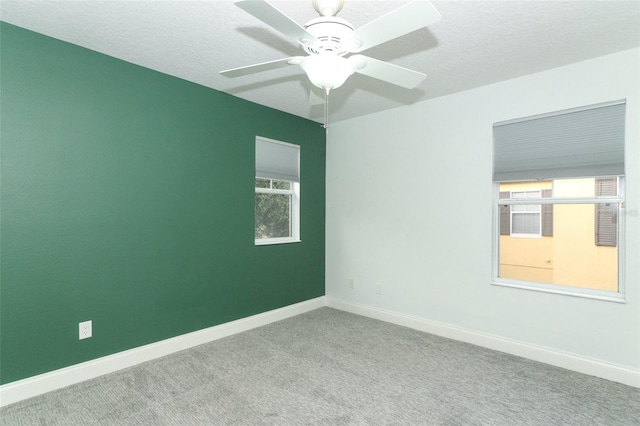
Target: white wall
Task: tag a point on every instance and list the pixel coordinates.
(409, 205)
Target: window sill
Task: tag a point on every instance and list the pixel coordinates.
(272, 241)
(607, 296)
(525, 235)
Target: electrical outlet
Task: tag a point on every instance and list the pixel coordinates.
(85, 330)
(351, 283)
(378, 288)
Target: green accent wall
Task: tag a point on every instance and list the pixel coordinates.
(127, 198)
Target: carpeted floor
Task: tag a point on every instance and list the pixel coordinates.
(329, 367)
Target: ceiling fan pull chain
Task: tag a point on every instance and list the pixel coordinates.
(326, 109)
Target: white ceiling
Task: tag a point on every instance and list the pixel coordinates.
(474, 44)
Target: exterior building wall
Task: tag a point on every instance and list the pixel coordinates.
(569, 257)
(578, 261)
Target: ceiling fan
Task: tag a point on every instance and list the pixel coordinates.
(333, 45)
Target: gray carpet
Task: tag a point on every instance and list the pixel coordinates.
(329, 367)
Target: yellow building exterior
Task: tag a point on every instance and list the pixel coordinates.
(570, 255)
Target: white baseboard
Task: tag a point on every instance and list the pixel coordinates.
(33, 386)
(550, 356)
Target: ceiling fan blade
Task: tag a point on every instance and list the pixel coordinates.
(273, 17)
(386, 71)
(403, 20)
(264, 66)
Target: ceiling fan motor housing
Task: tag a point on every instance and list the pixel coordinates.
(328, 7)
(333, 35)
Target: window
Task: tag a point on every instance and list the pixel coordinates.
(277, 192)
(274, 209)
(527, 220)
(559, 182)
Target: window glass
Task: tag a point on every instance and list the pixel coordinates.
(263, 183)
(273, 216)
(281, 184)
(276, 211)
(576, 226)
(525, 223)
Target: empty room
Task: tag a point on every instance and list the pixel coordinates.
(328, 212)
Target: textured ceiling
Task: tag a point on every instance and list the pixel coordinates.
(474, 44)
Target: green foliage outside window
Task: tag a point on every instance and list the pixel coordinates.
(273, 210)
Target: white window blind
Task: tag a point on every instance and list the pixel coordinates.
(277, 160)
(585, 141)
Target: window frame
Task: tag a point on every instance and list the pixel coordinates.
(294, 212)
(605, 295)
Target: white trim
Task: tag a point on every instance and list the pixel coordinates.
(33, 386)
(296, 146)
(587, 293)
(275, 191)
(272, 241)
(47, 382)
(538, 235)
(580, 364)
(611, 199)
(563, 111)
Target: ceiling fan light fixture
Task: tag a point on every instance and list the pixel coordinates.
(327, 71)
